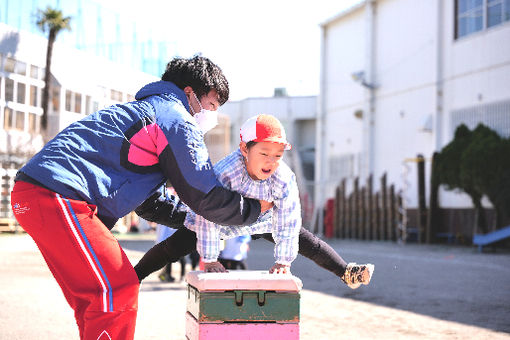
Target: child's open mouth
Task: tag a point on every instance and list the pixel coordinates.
(266, 171)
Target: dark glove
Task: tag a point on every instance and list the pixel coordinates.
(162, 208)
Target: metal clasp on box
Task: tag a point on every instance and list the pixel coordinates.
(261, 296)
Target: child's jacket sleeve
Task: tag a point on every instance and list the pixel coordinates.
(287, 224)
(208, 236)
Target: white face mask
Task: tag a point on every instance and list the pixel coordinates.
(206, 119)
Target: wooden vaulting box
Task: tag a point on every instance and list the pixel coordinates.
(242, 304)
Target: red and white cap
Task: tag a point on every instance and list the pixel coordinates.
(264, 128)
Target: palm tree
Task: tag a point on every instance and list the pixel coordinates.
(52, 21)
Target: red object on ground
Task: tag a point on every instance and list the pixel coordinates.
(329, 218)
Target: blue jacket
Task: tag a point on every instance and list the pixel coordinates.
(121, 155)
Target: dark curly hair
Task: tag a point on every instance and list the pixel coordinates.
(200, 73)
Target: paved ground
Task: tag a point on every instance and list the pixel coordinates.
(417, 292)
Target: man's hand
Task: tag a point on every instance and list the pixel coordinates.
(265, 205)
(279, 269)
(214, 267)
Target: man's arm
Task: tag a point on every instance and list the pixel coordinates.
(168, 210)
(163, 208)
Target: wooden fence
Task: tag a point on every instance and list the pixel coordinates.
(363, 214)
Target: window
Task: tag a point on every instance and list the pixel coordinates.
(69, 97)
(34, 71)
(8, 118)
(9, 90)
(116, 95)
(21, 93)
(20, 120)
(34, 90)
(342, 166)
(21, 68)
(9, 65)
(88, 108)
(498, 11)
(77, 102)
(475, 15)
(469, 17)
(494, 115)
(55, 98)
(32, 122)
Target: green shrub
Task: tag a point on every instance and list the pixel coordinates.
(478, 163)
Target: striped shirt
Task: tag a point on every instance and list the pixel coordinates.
(283, 220)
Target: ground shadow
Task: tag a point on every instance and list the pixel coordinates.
(445, 282)
(150, 286)
(448, 283)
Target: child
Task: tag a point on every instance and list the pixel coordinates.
(256, 170)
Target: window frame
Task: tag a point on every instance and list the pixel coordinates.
(8, 122)
(12, 93)
(484, 16)
(21, 92)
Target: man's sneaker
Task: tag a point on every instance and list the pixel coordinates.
(357, 274)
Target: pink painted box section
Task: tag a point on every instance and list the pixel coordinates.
(243, 280)
(240, 331)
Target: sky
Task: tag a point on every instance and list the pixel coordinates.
(260, 45)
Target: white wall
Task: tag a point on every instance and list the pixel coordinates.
(340, 97)
(405, 75)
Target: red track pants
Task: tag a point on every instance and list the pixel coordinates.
(88, 263)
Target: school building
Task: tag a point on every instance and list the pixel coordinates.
(397, 78)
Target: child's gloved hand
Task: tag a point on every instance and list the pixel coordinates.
(278, 268)
(214, 267)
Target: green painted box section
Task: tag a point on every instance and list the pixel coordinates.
(243, 306)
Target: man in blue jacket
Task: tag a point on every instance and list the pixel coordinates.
(71, 193)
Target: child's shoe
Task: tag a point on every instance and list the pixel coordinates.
(357, 274)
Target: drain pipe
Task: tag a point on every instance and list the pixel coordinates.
(439, 77)
(320, 141)
(369, 83)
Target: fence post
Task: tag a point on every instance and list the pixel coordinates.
(369, 227)
(356, 208)
(376, 220)
(422, 207)
(336, 213)
(363, 212)
(393, 212)
(433, 219)
(342, 209)
(401, 232)
(384, 209)
(348, 216)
